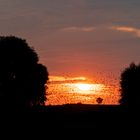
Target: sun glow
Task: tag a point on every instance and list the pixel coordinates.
(73, 90)
(84, 87)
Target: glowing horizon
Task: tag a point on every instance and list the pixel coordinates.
(93, 38)
(84, 88)
(66, 90)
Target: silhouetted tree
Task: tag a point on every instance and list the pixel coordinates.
(99, 100)
(22, 79)
(130, 86)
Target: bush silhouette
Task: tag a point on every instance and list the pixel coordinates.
(130, 86)
(22, 78)
(99, 100)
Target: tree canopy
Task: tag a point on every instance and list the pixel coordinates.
(22, 79)
(130, 86)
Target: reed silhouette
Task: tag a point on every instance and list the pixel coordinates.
(22, 78)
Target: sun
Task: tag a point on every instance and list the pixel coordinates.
(87, 88)
(84, 87)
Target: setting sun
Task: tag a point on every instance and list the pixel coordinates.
(88, 88)
(66, 90)
(84, 87)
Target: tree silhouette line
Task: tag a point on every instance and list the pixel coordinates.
(22, 79)
(130, 86)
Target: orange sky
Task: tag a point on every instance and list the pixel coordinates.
(96, 39)
(66, 90)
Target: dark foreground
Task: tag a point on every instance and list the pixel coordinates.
(71, 112)
(69, 120)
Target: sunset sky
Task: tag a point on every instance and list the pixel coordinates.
(92, 38)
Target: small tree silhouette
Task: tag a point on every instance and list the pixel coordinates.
(99, 100)
(22, 79)
(130, 86)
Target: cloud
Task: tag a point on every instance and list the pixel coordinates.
(74, 29)
(56, 78)
(65, 79)
(133, 30)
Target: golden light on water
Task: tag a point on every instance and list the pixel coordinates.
(75, 90)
